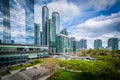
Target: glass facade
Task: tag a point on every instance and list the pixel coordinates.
(17, 20)
(5, 30)
(45, 17)
(56, 21)
(16, 14)
(16, 53)
(83, 44)
(37, 34)
(64, 44)
(29, 21)
(113, 43)
(98, 44)
(64, 31)
(51, 36)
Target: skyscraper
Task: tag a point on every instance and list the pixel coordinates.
(97, 44)
(83, 44)
(5, 21)
(37, 34)
(45, 17)
(64, 31)
(51, 36)
(29, 9)
(16, 14)
(56, 21)
(113, 43)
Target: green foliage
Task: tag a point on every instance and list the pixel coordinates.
(94, 68)
(4, 73)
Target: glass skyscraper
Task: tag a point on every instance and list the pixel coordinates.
(5, 30)
(29, 8)
(17, 21)
(51, 36)
(45, 17)
(64, 31)
(37, 34)
(83, 44)
(97, 44)
(56, 21)
(113, 43)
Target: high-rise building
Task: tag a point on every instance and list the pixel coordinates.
(29, 10)
(83, 44)
(64, 31)
(119, 44)
(37, 34)
(97, 44)
(16, 14)
(56, 21)
(51, 36)
(5, 31)
(113, 43)
(64, 44)
(45, 17)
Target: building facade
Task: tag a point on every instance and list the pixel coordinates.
(64, 31)
(51, 36)
(97, 44)
(5, 31)
(17, 14)
(37, 34)
(83, 44)
(113, 43)
(56, 21)
(45, 17)
(11, 54)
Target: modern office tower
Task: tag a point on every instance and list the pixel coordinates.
(37, 34)
(51, 36)
(113, 43)
(41, 38)
(83, 44)
(63, 45)
(64, 31)
(73, 44)
(45, 17)
(18, 21)
(56, 21)
(119, 44)
(97, 44)
(5, 31)
(29, 10)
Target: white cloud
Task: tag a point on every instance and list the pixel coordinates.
(101, 27)
(67, 11)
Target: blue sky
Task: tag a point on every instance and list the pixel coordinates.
(88, 19)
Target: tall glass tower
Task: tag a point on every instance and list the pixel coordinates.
(56, 21)
(29, 21)
(113, 43)
(5, 21)
(51, 36)
(83, 44)
(37, 34)
(17, 21)
(97, 44)
(45, 17)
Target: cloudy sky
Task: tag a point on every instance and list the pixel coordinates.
(88, 19)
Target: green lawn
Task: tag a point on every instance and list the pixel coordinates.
(66, 75)
(25, 65)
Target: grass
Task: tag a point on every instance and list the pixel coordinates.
(4, 73)
(22, 66)
(66, 75)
